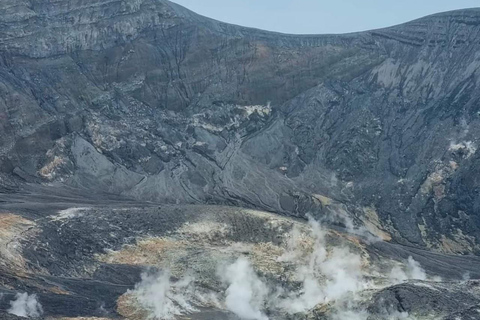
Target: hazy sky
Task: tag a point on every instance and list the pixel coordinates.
(321, 16)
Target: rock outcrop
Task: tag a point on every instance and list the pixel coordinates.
(147, 100)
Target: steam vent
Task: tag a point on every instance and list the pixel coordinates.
(158, 164)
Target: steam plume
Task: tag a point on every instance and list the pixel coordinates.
(246, 293)
(340, 269)
(162, 298)
(412, 271)
(25, 305)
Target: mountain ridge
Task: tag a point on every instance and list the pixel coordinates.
(164, 105)
(28, 10)
(137, 137)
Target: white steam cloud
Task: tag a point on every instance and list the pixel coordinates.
(162, 298)
(339, 268)
(412, 271)
(415, 270)
(350, 315)
(325, 276)
(246, 293)
(330, 276)
(165, 299)
(25, 305)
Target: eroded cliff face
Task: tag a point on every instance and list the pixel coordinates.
(145, 99)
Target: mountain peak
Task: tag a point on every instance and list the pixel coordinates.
(46, 28)
(451, 28)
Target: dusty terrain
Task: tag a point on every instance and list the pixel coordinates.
(148, 100)
(157, 163)
(83, 256)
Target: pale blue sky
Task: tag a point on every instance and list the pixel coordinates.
(321, 16)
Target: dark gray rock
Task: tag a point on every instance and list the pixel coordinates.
(148, 100)
(422, 299)
(62, 266)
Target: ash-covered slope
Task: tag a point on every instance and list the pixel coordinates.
(67, 255)
(146, 99)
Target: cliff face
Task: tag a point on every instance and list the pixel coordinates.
(146, 99)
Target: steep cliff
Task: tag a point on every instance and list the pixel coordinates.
(147, 100)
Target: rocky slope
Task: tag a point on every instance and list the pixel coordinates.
(142, 103)
(149, 100)
(84, 256)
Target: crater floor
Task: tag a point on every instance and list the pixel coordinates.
(101, 256)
